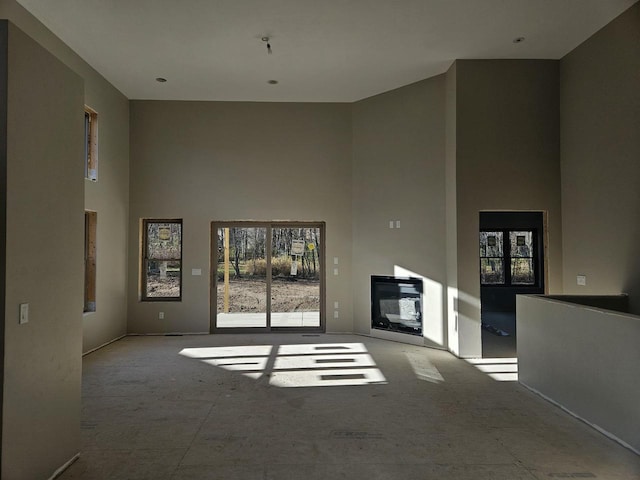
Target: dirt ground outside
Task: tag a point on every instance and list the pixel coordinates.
(166, 287)
(249, 295)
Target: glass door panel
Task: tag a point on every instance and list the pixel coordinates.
(295, 276)
(241, 277)
(522, 264)
(491, 258)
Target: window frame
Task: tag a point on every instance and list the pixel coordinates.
(507, 259)
(90, 144)
(532, 257)
(502, 259)
(145, 259)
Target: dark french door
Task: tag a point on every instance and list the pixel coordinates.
(511, 263)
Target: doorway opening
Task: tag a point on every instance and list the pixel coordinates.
(267, 276)
(511, 263)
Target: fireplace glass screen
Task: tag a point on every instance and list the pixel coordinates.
(396, 304)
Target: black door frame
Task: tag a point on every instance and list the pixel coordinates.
(508, 221)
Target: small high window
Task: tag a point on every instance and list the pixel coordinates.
(90, 144)
(162, 260)
(90, 229)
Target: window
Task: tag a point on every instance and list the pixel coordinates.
(90, 144)
(491, 258)
(508, 257)
(162, 260)
(90, 228)
(522, 270)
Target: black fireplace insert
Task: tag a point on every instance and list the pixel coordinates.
(396, 304)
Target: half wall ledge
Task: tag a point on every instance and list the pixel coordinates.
(583, 358)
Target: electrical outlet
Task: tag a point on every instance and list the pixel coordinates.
(581, 280)
(161, 315)
(335, 305)
(336, 314)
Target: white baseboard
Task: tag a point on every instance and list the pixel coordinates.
(575, 415)
(104, 345)
(164, 334)
(59, 471)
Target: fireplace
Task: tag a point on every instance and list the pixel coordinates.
(396, 304)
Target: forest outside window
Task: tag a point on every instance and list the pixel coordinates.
(492, 258)
(162, 260)
(508, 257)
(522, 259)
(90, 144)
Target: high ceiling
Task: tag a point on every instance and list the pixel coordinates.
(323, 50)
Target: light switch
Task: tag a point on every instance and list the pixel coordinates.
(397, 223)
(335, 271)
(335, 260)
(336, 314)
(335, 305)
(196, 271)
(390, 223)
(24, 313)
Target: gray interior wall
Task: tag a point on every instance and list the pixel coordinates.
(399, 174)
(507, 158)
(600, 125)
(42, 361)
(4, 80)
(108, 196)
(591, 367)
(453, 341)
(206, 161)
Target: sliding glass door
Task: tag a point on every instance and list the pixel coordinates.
(267, 276)
(241, 287)
(295, 276)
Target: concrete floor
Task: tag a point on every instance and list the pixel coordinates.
(207, 407)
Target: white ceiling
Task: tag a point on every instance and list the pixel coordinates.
(323, 50)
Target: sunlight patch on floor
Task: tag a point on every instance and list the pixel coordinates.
(500, 369)
(423, 368)
(296, 365)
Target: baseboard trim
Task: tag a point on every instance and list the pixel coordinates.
(164, 334)
(419, 342)
(606, 433)
(60, 470)
(104, 345)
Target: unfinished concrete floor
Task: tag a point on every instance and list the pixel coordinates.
(207, 407)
